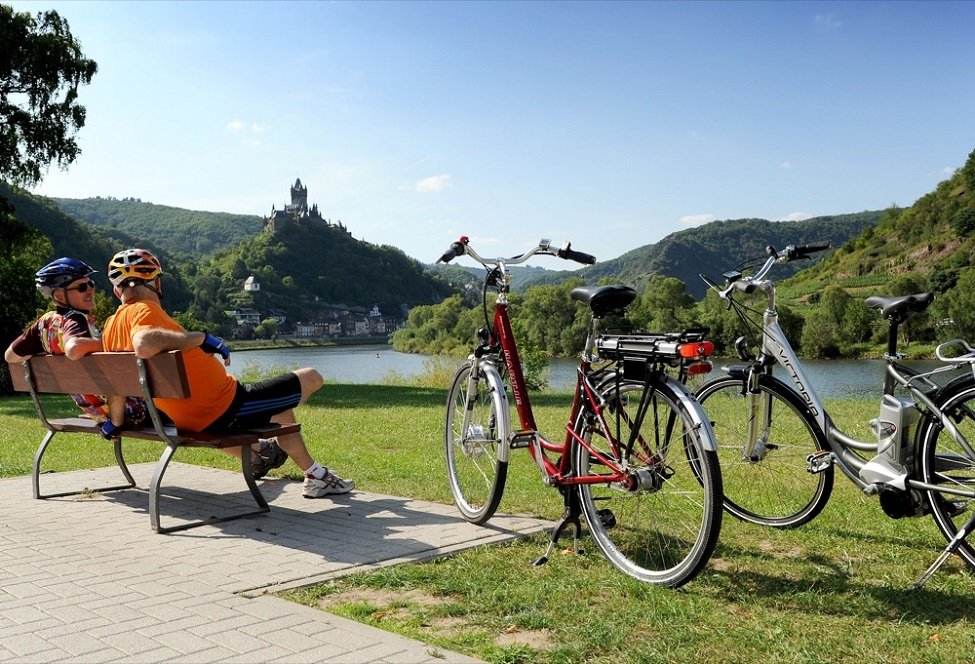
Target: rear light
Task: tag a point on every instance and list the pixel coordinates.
(696, 349)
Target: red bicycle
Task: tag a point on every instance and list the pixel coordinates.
(638, 459)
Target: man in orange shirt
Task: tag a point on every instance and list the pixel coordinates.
(218, 402)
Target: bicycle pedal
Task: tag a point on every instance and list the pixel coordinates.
(522, 439)
(819, 462)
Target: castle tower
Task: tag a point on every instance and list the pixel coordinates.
(299, 197)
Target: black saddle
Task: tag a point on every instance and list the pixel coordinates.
(604, 300)
(899, 307)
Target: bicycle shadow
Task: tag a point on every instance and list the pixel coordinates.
(830, 578)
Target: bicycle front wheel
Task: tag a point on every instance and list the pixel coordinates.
(476, 440)
(946, 463)
(661, 524)
(771, 485)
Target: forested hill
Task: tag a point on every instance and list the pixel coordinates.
(190, 232)
(928, 246)
(93, 245)
(717, 247)
(310, 266)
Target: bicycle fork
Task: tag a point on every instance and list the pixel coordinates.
(759, 419)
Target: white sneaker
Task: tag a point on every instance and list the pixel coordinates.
(331, 484)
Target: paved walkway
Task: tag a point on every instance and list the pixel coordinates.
(85, 579)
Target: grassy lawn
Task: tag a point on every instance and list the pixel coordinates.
(834, 590)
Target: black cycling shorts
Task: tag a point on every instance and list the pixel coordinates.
(255, 403)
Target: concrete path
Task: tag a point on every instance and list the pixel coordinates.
(85, 579)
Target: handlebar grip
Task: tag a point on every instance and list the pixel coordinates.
(456, 249)
(568, 253)
(803, 250)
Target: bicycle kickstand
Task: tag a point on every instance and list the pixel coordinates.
(950, 549)
(570, 517)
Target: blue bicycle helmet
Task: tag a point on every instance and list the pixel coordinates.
(60, 273)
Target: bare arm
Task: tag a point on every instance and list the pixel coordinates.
(155, 340)
(10, 356)
(77, 347)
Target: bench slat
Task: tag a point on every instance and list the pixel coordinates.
(104, 373)
(212, 440)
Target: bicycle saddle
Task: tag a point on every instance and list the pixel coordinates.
(899, 306)
(604, 300)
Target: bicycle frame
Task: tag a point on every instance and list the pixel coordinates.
(557, 473)
(845, 449)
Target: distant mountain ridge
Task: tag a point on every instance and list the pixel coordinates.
(715, 248)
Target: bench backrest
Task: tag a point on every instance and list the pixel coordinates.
(104, 373)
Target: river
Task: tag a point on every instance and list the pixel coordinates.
(373, 364)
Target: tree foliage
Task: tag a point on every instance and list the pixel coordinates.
(40, 72)
(189, 233)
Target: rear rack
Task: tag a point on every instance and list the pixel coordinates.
(672, 347)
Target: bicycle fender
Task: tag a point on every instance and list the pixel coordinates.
(493, 378)
(696, 412)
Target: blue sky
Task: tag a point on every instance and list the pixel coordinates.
(607, 124)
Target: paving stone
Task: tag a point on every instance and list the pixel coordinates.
(87, 580)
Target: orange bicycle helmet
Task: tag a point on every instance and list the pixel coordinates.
(132, 265)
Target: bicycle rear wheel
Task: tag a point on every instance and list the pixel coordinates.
(662, 525)
(944, 462)
(476, 439)
(773, 487)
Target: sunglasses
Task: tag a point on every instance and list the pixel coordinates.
(83, 288)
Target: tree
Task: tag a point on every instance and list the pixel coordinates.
(664, 306)
(22, 251)
(40, 72)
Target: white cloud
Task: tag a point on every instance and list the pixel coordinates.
(948, 170)
(787, 165)
(257, 128)
(696, 219)
(433, 183)
(796, 216)
(828, 21)
(236, 125)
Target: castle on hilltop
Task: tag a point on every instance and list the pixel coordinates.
(297, 213)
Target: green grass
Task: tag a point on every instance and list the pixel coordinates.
(834, 590)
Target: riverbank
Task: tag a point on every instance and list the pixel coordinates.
(316, 342)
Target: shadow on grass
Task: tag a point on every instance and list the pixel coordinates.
(347, 395)
(826, 585)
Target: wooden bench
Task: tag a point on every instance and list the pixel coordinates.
(123, 374)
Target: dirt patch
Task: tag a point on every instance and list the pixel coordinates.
(380, 598)
(402, 604)
(536, 639)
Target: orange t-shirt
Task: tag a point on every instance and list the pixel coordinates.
(212, 389)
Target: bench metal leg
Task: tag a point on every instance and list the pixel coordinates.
(36, 472)
(154, 496)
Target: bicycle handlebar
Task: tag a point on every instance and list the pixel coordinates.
(544, 247)
(737, 281)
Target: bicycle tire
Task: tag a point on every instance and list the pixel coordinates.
(776, 489)
(663, 530)
(477, 455)
(943, 461)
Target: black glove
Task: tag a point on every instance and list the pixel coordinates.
(212, 344)
(109, 431)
